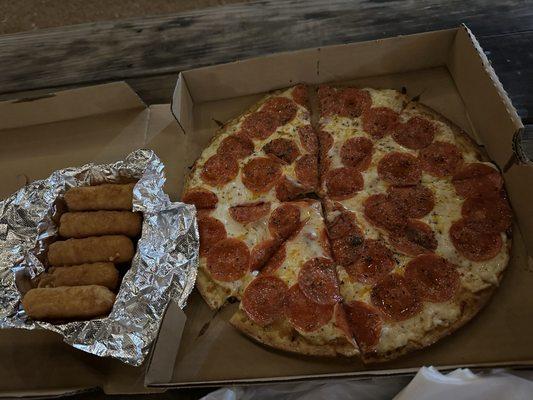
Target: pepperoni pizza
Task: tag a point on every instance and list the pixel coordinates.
(409, 237)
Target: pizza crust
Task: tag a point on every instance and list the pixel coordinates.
(294, 343)
(471, 306)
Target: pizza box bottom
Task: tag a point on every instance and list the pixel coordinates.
(447, 71)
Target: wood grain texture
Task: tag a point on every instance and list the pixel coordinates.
(125, 49)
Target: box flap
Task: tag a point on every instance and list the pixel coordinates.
(108, 122)
(489, 108)
(95, 124)
(317, 65)
(163, 357)
(68, 104)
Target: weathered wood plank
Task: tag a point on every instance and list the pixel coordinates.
(511, 55)
(127, 49)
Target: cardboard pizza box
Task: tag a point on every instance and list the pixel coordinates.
(70, 128)
(449, 72)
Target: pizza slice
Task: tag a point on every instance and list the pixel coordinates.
(269, 152)
(237, 241)
(394, 302)
(293, 304)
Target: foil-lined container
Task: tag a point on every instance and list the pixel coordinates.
(163, 269)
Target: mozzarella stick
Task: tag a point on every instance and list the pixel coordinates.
(102, 274)
(101, 197)
(79, 302)
(97, 223)
(113, 248)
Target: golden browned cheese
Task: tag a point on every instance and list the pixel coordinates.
(77, 302)
(113, 248)
(102, 274)
(82, 224)
(101, 197)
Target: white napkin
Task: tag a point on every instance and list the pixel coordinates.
(462, 384)
(428, 383)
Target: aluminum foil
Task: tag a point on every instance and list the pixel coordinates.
(163, 269)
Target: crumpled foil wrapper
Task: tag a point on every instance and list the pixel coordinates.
(163, 269)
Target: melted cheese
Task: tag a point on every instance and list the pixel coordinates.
(398, 334)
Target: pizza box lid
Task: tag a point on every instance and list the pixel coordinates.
(449, 72)
(99, 124)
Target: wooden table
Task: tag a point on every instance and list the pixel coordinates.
(148, 53)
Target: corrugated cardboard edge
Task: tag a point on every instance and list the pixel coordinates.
(362, 375)
(519, 154)
(116, 96)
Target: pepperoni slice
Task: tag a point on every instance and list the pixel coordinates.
(284, 220)
(401, 169)
(347, 249)
(284, 149)
(287, 190)
(228, 260)
(346, 238)
(354, 102)
(211, 231)
(260, 174)
(328, 101)
(348, 102)
(395, 299)
(259, 125)
(282, 108)
(318, 281)
(412, 201)
(379, 121)
(415, 238)
(249, 212)
(473, 244)
(219, 170)
(364, 322)
(306, 169)
(261, 253)
(201, 198)
(326, 142)
(276, 260)
(300, 95)
(357, 153)
(343, 225)
(264, 299)
(440, 159)
(374, 263)
(415, 134)
(308, 138)
(488, 213)
(382, 212)
(324, 241)
(432, 278)
(304, 314)
(343, 183)
(236, 146)
(477, 179)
